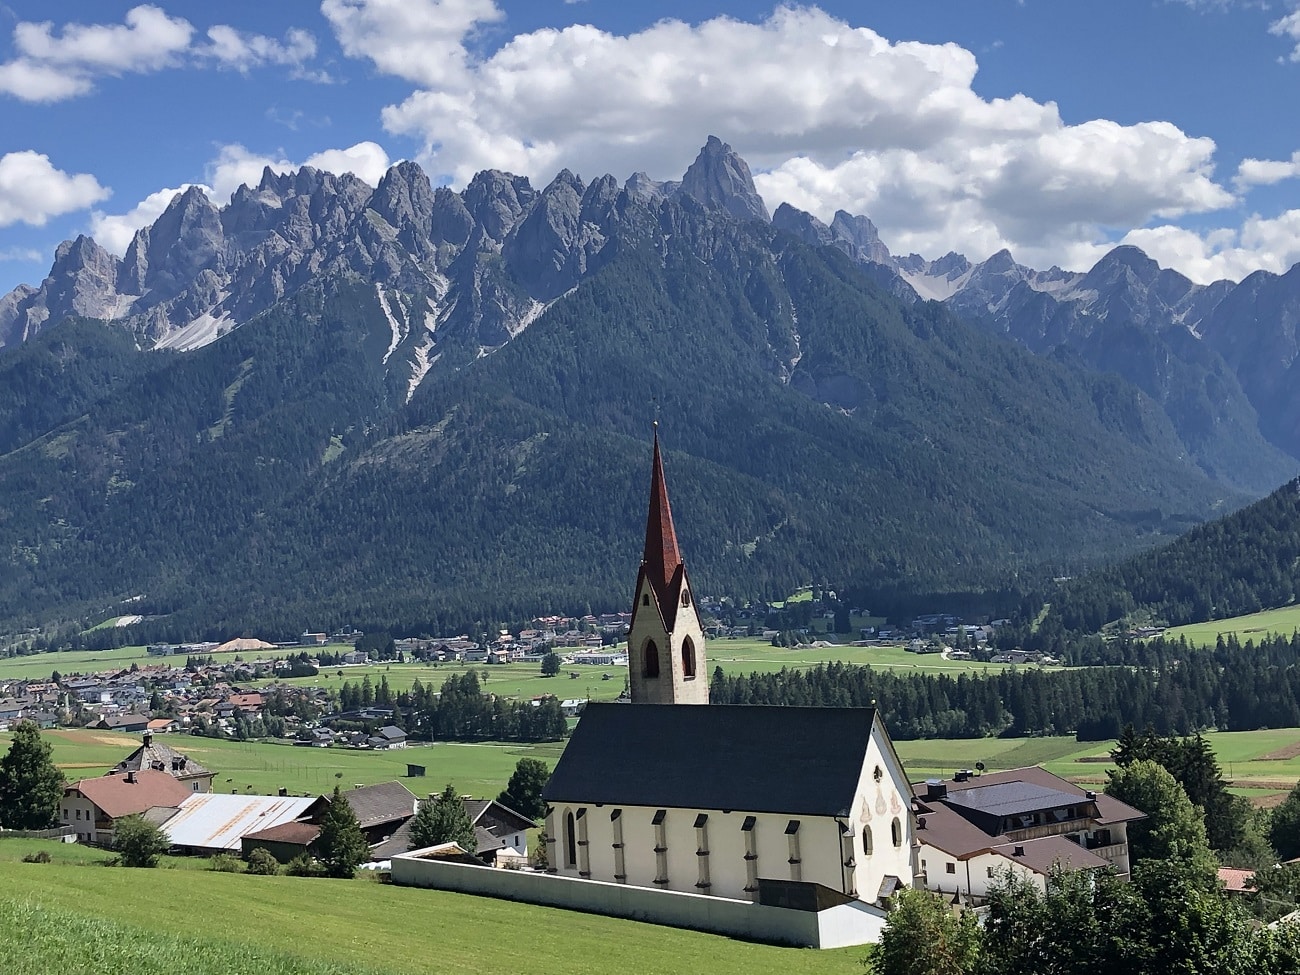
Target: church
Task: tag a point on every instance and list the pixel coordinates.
(770, 805)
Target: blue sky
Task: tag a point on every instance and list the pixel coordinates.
(1057, 130)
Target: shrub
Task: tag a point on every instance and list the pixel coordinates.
(263, 863)
(224, 863)
(40, 856)
(303, 866)
(139, 842)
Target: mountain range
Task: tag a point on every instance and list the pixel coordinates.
(413, 407)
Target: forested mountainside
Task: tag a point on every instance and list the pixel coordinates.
(1220, 359)
(347, 455)
(1242, 563)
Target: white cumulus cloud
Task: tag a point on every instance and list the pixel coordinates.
(55, 63)
(1289, 28)
(1260, 243)
(829, 116)
(32, 190)
(1265, 172)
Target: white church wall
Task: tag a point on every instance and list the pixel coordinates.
(837, 927)
(728, 870)
(878, 802)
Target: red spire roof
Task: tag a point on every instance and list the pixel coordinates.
(662, 556)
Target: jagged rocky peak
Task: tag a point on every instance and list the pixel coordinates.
(449, 221)
(719, 179)
(404, 197)
(646, 191)
(803, 225)
(863, 235)
(186, 238)
(497, 200)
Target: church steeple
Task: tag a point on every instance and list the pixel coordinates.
(662, 556)
(666, 662)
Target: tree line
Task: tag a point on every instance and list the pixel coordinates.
(1168, 685)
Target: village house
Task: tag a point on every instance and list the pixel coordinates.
(974, 828)
(155, 756)
(92, 806)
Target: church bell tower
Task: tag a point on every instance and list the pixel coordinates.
(665, 645)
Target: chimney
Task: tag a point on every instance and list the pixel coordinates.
(1092, 796)
(282, 791)
(148, 739)
(961, 775)
(130, 777)
(935, 789)
(1018, 851)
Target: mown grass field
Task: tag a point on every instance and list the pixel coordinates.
(1271, 622)
(735, 656)
(1260, 763)
(263, 767)
(62, 918)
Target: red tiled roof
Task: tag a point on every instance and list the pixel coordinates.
(117, 796)
(1234, 881)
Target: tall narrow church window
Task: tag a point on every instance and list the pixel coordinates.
(688, 658)
(620, 866)
(795, 861)
(584, 852)
(896, 832)
(702, 851)
(751, 856)
(650, 656)
(570, 841)
(866, 840)
(661, 846)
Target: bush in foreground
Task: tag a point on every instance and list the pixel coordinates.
(139, 842)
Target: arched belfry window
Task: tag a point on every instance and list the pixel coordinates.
(570, 841)
(896, 832)
(650, 659)
(688, 658)
(866, 840)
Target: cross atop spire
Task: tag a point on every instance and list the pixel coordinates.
(662, 556)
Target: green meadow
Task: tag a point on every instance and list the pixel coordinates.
(1271, 622)
(67, 918)
(1260, 763)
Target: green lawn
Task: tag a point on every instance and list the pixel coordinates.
(263, 767)
(1271, 622)
(355, 925)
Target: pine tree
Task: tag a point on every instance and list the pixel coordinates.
(342, 844)
(30, 783)
(443, 819)
(523, 793)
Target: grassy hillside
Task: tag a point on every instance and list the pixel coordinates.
(1255, 760)
(60, 918)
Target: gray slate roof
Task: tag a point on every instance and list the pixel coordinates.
(383, 803)
(752, 758)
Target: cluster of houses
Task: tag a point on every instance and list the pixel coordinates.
(170, 789)
(202, 697)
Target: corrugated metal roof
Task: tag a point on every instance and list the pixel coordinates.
(213, 821)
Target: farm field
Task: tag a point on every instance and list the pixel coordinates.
(1271, 622)
(1260, 763)
(238, 923)
(734, 656)
(264, 767)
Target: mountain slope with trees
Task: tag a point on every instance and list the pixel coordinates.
(293, 473)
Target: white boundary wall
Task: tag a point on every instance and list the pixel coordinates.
(856, 923)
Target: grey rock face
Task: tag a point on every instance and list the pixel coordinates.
(720, 180)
